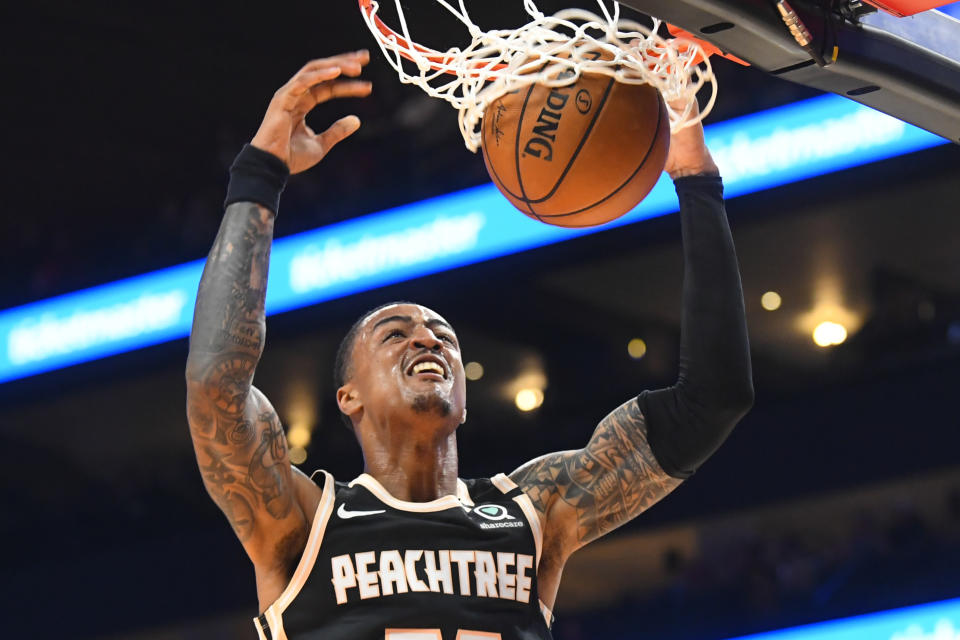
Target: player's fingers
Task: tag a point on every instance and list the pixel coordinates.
(353, 65)
(321, 70)
(337, 89)
(303, 82)
(355, 60)
(338, 131)
(351, 68)
(345, 89)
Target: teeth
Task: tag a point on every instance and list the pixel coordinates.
(428, 366)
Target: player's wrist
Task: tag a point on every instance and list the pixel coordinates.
(267, 140)
(699, 183)
(257, 176)
(699, 171)
(702, 167)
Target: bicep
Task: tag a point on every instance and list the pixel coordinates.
(586, 493)
(241, 450)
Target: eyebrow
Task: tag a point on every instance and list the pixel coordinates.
(383, 321)
(436, 322)
(431, 323)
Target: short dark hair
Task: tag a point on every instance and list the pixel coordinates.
(343, 364)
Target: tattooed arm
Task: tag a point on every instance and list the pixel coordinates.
(240, 445)
(646, 447)
(592, 491)
(239, 441)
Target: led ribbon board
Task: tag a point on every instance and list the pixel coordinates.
(755, 152)
(934, 621)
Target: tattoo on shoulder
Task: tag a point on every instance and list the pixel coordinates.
(610, 481)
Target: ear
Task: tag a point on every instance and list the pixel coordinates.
(348, 399)
(463, 417)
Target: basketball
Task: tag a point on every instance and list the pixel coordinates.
(579, 155)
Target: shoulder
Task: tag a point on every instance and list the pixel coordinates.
(311, 489)
(319, 478)
(498, 487)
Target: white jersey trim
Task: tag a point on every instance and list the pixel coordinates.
(547, 614)
(275, 620)
(505, 484)
(440, 504)
(502, 482)
(274, 613)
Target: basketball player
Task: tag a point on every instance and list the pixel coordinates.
(407, 550)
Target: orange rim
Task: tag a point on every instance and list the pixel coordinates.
(707, 48)
(437, 60)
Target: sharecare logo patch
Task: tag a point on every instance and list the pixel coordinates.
(493, 512)
(498, 516)
(375, 574)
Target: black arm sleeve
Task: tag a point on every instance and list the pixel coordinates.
(687, 422)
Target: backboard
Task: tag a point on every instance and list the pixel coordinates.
(908, 67)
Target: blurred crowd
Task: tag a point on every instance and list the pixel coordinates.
(749, 582)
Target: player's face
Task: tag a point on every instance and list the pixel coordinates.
(407, 359)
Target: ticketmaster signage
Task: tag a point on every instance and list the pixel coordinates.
(934, 621)
(755, 152)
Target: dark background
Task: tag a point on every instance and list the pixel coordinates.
(120, 122)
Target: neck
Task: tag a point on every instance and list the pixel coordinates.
(412, 464)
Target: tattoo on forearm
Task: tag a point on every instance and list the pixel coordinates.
(613, 479)
(230, 313)
(240, 444)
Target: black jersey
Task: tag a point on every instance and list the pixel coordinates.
(461, 567)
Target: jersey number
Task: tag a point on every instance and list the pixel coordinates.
(434, 634)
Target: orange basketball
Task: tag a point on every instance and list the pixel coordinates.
(580, 155)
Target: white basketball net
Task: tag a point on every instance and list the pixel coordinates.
(545, 50)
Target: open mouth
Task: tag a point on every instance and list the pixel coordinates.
(428, 367)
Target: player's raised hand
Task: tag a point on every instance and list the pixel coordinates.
(688, 155)
(284, 131)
